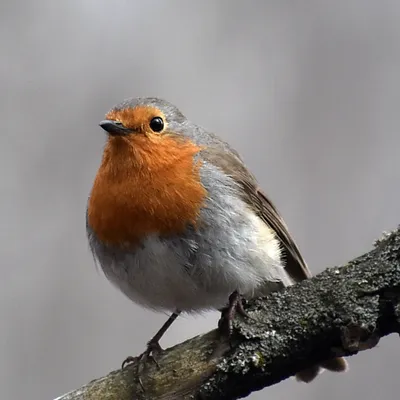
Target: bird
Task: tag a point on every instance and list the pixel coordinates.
(179, 224)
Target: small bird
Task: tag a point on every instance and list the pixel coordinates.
(178, 223)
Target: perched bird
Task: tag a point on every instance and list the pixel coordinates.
(178, 223)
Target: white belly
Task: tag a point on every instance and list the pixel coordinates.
(199, 270)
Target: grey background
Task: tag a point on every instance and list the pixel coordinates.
(307, 91)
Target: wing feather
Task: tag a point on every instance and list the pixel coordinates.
(230, 162)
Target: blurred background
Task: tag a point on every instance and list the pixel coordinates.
(308, 92)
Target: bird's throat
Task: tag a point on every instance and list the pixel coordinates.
(145, 187)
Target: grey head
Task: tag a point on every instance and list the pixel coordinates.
(168, 109)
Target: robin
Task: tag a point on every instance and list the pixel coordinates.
(178, 223)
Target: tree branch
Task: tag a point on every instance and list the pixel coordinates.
(339, 312)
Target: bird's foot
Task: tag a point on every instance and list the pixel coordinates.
(228, 313)
(153, 349)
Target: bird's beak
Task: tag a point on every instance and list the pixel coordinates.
(114, 128)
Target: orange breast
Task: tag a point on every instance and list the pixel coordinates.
(143, 186)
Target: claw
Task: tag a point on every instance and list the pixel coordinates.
(128, 360)
(148, 355)
(153, 348)
(228, 314)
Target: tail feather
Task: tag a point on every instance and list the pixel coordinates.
(335, 365)
(309, 374)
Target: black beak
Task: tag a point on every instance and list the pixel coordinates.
(114, 128)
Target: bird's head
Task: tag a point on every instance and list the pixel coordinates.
(149, 178)
(147, 131)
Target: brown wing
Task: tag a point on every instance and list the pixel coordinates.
(295, 264)
(231, 163)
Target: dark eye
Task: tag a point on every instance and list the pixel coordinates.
(157, 124)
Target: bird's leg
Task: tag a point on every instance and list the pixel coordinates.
(153, 345)
(228, 313)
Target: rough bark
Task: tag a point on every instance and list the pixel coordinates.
(339, 312)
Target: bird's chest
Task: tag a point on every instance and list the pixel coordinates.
(125, 211)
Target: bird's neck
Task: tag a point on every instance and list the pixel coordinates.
(145, 187)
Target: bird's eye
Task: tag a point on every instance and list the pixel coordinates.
(157, 124)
